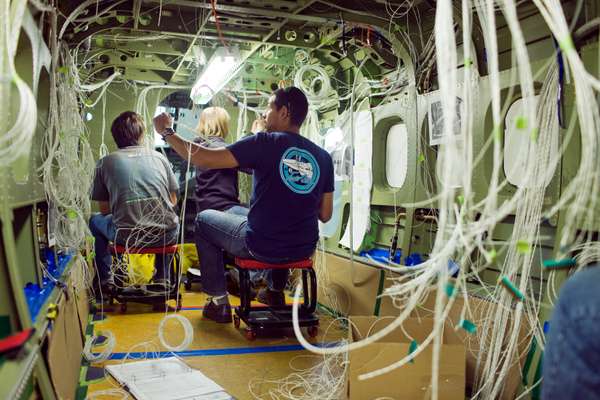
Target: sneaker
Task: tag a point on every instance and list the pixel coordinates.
(273, 298)
(219, 313)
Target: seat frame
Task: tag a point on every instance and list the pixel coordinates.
(156, 299)
(259, 319)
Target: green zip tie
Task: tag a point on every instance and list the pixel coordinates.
(521, 122)
(513, 289)
(71, 214)
(493, 254)
(63, 70)
(468, 62)
(450, 289)
(566, 44)
(523, 247)
(90, 240)
(557, 264)
(421, 158)
(461, 199)
(468, 326)
(411, 349)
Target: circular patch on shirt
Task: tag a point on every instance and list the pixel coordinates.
(299, 170)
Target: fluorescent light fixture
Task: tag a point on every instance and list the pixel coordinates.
(216, 75)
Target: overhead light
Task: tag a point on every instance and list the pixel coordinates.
(216, 75)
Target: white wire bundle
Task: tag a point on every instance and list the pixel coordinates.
(187, 329)
(319, 87)
(80, 274)
(324, 381)
(518, 264)
(15, 140)
(508, 325)
(107, 346)
(581, 195)
(147, 111)
(68, 168)
(82, 9)
(588, 253)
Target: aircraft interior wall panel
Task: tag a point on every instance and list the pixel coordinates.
(20, 183)
(8, 311)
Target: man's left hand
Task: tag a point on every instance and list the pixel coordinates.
(162, 122)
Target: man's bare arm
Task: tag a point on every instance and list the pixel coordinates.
(200, 156)
(326, 208)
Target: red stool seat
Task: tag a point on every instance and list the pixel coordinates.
(117, 249)
(249, 263)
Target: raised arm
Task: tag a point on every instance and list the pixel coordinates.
(200, 156)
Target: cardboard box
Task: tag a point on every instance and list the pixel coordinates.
(65, 346)
(411, 381)
(480, 309)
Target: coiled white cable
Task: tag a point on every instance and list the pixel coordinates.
(187, 328)
(108, 347)
(315, 96)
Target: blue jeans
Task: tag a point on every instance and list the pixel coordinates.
(218, 231)
(572, 354)
(104, 230)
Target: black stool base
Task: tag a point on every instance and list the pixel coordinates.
(264, 319)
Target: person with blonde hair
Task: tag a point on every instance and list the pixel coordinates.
(216, 189)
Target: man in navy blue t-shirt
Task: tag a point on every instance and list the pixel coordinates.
(292, 190)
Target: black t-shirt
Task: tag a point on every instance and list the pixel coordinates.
(216, 189)
(291, 173)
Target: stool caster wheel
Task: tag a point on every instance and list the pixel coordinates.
(236, 322)
(250, 334)
(123, 307)
(312, 331)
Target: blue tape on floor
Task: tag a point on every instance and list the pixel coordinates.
(216, 352)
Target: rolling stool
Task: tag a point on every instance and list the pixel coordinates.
(261, 319)
(158, 295)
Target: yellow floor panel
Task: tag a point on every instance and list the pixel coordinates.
(236, 373)
(233, 372)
